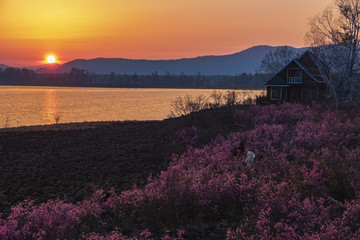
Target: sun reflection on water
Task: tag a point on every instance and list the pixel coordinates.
(50, 112)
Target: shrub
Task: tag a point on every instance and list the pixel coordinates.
(303, 184)
(184, 105)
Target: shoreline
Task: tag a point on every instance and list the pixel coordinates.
(101, 86)
(71, 126)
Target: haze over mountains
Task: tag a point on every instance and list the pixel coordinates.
(247, 61)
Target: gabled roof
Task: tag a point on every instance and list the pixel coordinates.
(308, 71)
(315, 60)
(277, 80)
(312, 65)
(311, 71)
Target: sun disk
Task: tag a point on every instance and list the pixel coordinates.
(51, 59)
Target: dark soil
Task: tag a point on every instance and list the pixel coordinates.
(71, 160)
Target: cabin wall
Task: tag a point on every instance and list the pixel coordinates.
(299, 93)
(306, 79)
(284, 94)
(284, 72)
(295, 94)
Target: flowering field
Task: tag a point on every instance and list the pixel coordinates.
(303, 184)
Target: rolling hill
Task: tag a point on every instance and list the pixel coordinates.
(246, 61)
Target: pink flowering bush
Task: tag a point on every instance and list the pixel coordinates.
(53, 219)
(303, 184)
(188, 135)
(144, 235)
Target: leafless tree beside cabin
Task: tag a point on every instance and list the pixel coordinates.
(334, 38)
(276, 60)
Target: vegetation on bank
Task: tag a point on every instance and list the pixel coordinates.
(304, 184)
(187, 104)
(78, 77)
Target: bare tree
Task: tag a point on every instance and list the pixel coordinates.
(275, 60)
(334, 38)
(216, 99)
(56, 117)
(184, 105)
(6, 123)
(230, 98)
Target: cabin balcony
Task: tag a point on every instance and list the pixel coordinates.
(294, 80)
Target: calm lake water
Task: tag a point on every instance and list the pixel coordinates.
(24, 106)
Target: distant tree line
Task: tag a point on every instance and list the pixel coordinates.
(79, 77)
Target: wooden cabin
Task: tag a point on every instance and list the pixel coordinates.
(299, 81)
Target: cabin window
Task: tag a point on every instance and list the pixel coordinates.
(275, 93)
(294, 75)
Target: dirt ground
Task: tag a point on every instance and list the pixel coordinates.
(69, 161)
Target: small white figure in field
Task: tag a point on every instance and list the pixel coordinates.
(250, 158)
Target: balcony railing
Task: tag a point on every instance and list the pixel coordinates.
(294, 79)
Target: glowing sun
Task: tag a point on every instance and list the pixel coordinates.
(51, 59)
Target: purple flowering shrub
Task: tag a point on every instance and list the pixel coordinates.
(144, 235)
(303, 184)
(188, 135)
(53, 219)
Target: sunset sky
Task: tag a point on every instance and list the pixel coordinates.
(150, 29)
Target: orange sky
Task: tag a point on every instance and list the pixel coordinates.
(150, 29)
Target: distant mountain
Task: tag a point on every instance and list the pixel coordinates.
(3, 66)
(247, 61)
(48, 68)
(35, 68)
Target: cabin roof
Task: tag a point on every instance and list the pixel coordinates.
(277, 80)
(308, 71)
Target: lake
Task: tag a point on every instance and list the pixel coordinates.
(25, 106)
